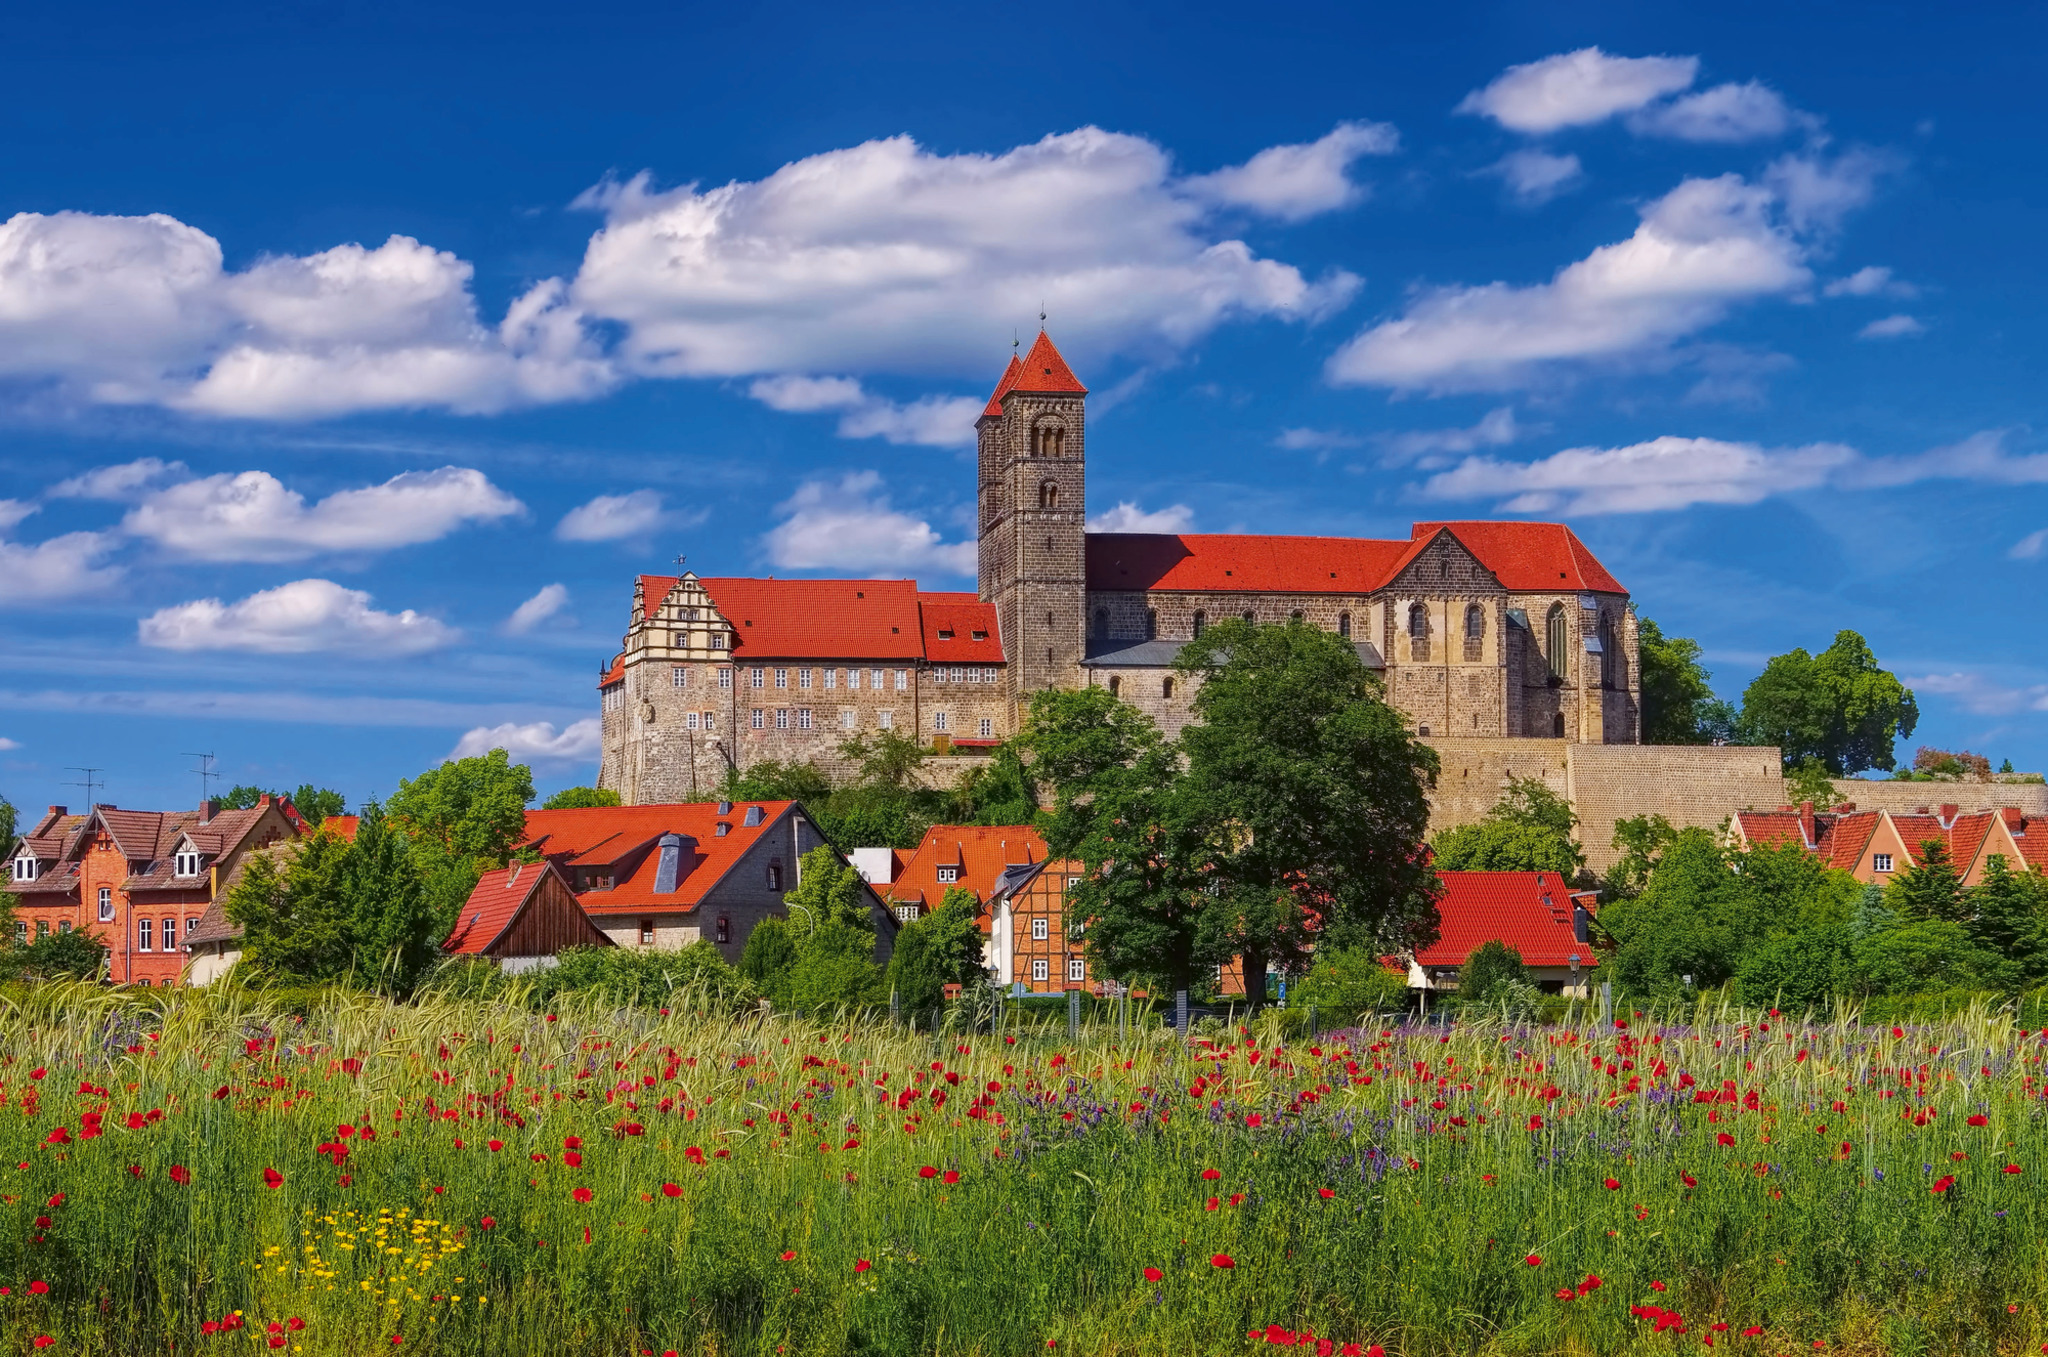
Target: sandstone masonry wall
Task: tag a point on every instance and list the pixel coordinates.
(2030, 797)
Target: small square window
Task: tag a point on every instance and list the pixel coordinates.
(803, 718)
(1881, 862)
(907, 913)
(1077, 969)
(188, 863)
(692, 721)
(987, 728)
(759, 719)
(939, 722)
(1040, 929)
(1073, 881)
(647, 932)
(1038, 969)
(948, 875)
(886, 720)
(782, 718)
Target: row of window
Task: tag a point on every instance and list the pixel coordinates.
(1200, 621)
(801, 718)
(715, 641)
(967, 674)
(1116, 686)
(722, 931)
(42, 929)
(145, 932)
(829, 679)
(1077, 970)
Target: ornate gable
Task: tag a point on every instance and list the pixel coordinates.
(683, 624)
(1443, 565)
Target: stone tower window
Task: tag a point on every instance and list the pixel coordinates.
(1554, 642)
(1151, 624)
(1201, 620)
(1049, 440)
(1250, 616)
(1418, 632)
(1475, 631)
(1557, 726)
(1344, 624)
(1610, 658)
(1102, 624)
(1295, 616)
(1116, 686)
(1166, 688)
(1049, 495)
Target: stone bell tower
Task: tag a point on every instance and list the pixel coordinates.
(1033, 504)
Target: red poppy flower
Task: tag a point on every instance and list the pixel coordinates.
(1153, 1274)
(789, 1256)
(1688, 1180)
(1211, 1175)
(1212, 1204)
(581, 1194)
(39, 1288)
(1978, 1119)
(2011, 1168)
(496, 1145)
(1752, 1331)
(486, 1223)
(1222, 1260)
(671, 1190)
(1611, 1184)
(952, 1176)
(295, 1324)
(573, 1160)
(927, 1172)
(38, 1072)
(861, 1265)
(850, 1144)
(1533, 1260)
(180, 1174)
(573, 1143)
(1723, 1138)
(1943, 1183)
(1535, 1123)
(272, 1178)
(44, 1340)
(277, 1340)
(1325, 1193)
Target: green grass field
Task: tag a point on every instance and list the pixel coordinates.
(458, 1178)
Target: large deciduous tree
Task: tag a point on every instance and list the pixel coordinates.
(1836, 708)
(1679, 706)
(462, 819)
(1529, 829)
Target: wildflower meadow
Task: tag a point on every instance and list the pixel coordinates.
(452, 1177)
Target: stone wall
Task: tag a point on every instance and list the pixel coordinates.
(2030, 797)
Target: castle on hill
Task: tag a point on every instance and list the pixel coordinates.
(1487, 631)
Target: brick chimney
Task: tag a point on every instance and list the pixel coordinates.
(1806, 822)
(208, 809)
(2015, 819)
(1948, 815)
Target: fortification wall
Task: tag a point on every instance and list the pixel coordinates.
(1475, 772)
(2030, 797)
(1687, 784)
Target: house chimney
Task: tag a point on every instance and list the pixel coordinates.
(1948, 815)
(1806, 822)
(2015, 819)
(1579, 917)
(669, 866)
(60, 810)
(207, 810)
(1846, 808)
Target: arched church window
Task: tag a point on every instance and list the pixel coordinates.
(1610, 656)
(1049, 495)
(1418, 632)
(1116, 686)
(1201, 620)
(1051, 441)
(1344, 624)
(1101, 623)
(1557, 726)
(1151, 624)
(1166, 688)
(1475, 631)
(1554, 642)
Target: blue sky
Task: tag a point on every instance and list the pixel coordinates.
(352, 362)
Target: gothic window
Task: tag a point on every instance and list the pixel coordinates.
(1418, 632)
(1554, 643)
(1201, 620)
(1344, 624)
(1049, 496)
(1557, 726)
(1102, 623)
(1475, 631)
(1611, 669)
(1166, 688)
(1151, 624)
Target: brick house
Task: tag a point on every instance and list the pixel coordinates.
(1028, 943)
(521, 916)
(1873, 845)
(141, 881)
(666, 876)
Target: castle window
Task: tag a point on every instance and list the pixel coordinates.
(1418, 632)
(1554, 642)
(1475, 631)
(939, 722)
(886, 720)
(875, 679)
(782, 718)
(691, 722)
(902, 679)
(1049, 497)
(938, 673)
(831, 678)
(759, 678)
(803, 718)
(1166, 687)
(1101, 623)
(1201, 620)
(1295, 616)
(725, 680)
(718, 640)
(679, 676)
(710, 721)
(1151, 624)
(848, 718)
(759, 719)
(782, 678)
(1344, 624)
(803, 677)
(1116, 685)
(1613, 664)
(987, 728)
(1557, 726)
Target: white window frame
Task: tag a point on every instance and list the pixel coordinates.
(145, 929)
(760, 719)
(939, 722)
(187, 862)
(948, 875)
(803, 678)
(679, 676)
(906, 914)
(691, 720)
(853, 680)
(782, 718)
(886, 720)
(831, 679)
(1881, 862)
(875, 679)
(849, 719)
(1038, 971)
(902, 679)
(25, 867)
(725, 680)
(1077, 969)
(758, 678)
(938, 673)
(782, 678)
(169, 934)
(803, 718)
(987, 728)
(106, 904)
(1041, 929)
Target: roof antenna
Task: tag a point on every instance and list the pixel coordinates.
(206, 774)
(91, 780)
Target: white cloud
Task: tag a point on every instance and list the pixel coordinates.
(1976, 693)
(1663, 473)
(1535, 177)
(140, 310)
(848, 525)
(1725, 113)
(1128, 517)
(253, 517)
(1315, 440)
(550, 600)
(1701, 249)
(1873, 280)
(1816, 193)
(1980, 457)
(6, 743)
(533, 742)
(117, 482)
(299, 618)
(608, 518)
(48, 572)
(2030, 547)
(1576, 88)
(1297, 182)
(1891, 327)
(12, 511)
(933, 421)
(888, 257)
(1495, 429)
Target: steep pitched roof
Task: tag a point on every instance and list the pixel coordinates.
(952, 622)
(1529, 911)
(1531, 558)
(994, 408)
(1239, 562)
(496, 903)
(613, 835)
(1043, 370)
(820, 619)
(978, 854)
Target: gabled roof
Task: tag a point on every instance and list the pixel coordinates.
(822, 619)
(610, 835)
(1529, 911)
(994, 408)
(981, 854)
(950, 623)
(1043, 370)
(498, 900)
(1531, 558)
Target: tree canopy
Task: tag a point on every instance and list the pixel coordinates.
(942, 948)
(1836, 708)
(462, 818)
(1529, 829)
(313, 803)
(1679, 706)
(580, 798)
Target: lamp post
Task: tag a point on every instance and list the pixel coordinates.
(1575, 977)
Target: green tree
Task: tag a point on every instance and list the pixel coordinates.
(1490, 966)
(462, 819)
(72, 954)
(242, 796)
(1350, 982)
(2009, 923)
(581, 798)
(294, 918)
(1529, 829)
(1679, 706)
(315, 804)
(1304, 799)
(769, 957)
(773, 780)
(1930, 889)
(647, 977)
(1801, 970)
(1836, 707)
(942, 948)
(392, 933)
(1002, 793)
(1922, 954)
(832, 923)
(1811, 781)
(1640, 841)
(885, 759)
(9, 818)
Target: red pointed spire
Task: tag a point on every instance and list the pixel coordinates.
(1045, 370)
(994, 409)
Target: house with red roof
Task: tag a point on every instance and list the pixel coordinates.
(1536, 913)
(1480, 630)
(1873, 845)
(521, 916)
(1020, 895)
(666, 876)
(142, 881)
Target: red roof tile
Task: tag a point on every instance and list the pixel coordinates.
(1044, 370)
(820, 619)
(977, 853)
(1247, 562)
(492, 906)
(1531, 558)
(1966, 835)
(601, 835)
(1915, 830)
(653, 589)
(951, 622)
(994, 408)
(1529, 911)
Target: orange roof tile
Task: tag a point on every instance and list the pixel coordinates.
(820, 619)
(1234, 561)
(978, 854)
(1529, 911)
(1915, 830)
(959, 629)
(994, 408)
(493, 905)
(609, 834)
(1966, 836)
(1531, 558)
(1044, 370)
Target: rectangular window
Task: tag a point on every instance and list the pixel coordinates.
(647, 932)
(188, 863)
(803, 677)
(106, 904)
(42, 927)
(21, 932)
(692, 721)
(1038, 971)
(907, 913)
(1077, 969)
(782, 678)
(64, 925)
(1881, 862)
(987, 728)
(848, 718)
(759, 677)
(24, 869)
(939, 722)
(190, 924)
(170, 935)
(956, 673)
(774, 876)
(803, 718)
(875, 679)
(902, 679)
(760, 720)
(142, 935)
(782, 718)
(718, 640)
(679, 676)
(948, 875)
(938, 673)
(710, 720)
(725, 680)
(725, 930)
(886, 720)
(831, 679)
(853, 680)
(1040, 930)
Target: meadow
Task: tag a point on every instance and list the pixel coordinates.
(451, 1177)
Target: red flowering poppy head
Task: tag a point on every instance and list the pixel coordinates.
(294, 1324)
(1689, 1180)
(861, 1265)
(1223, 1260)
(486, 1223)
(496, 1145)
(1611, 1184)
(671, 1190)
(277, 1340)
(272, 1178)
(1944, 1183)
(573, 1143)
(2012, 1168)
(38, 1072)
(44, 1340)
(1153, 1274)
(573, 1159)
(1723, 1138)
(581, 1194)
(1535, 1123)
(1533, 1260)
(1211, 1175)
(950, 1176)
(789, 1255)
(180, 1174)
(1979, 1119)
(1214, 1203)
(39, 1288)
(1326, 1193)
(927, 1172)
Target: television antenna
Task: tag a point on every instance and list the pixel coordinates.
(92, 780)
(206, 773)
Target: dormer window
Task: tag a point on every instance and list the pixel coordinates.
(980, 635)
(187, 862)
(948, 875)
(724, 828)
(945, 634)
(25, 868)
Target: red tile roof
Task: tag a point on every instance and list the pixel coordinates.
(342, 825)
(820, 619)
(951, 622)
(493, 905)
(1966, 835)
(1044, 370)
(979, 853)
(994, 408)
(1529, 911)
(1531, 558)
(653, 589)
(606, 835)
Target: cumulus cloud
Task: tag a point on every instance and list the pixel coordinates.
(1891, 327)
(61, 568)
(117, 482)
(549, 601)
(849, 525)
(299, 618)
(1128, 517)
(1873, 280)
(886, 257)
(141, 310)
(1496, 428)
(1725, 113)
(1293, 183)
(1818, 191)
(1577, 88)
(12, 511)
(1535, 177)
(608, 518)
(534, 741)
(253, 517)
(1704, 247)
(934, 421)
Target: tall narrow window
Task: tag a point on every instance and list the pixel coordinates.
(1418, 632)
(1344, 625)
(1554, 643)
(1475, 632)
(1610, 657)
(1166, 688)
(106, 904)
(1116, 685)
(1101, 624)
(142, 932)
(1049, 495)
(1151, 624)
(1201, 620)
(170, 935)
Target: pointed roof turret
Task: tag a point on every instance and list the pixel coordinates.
(1044, 370)
(994, 409)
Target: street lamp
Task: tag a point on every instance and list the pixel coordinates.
(1575, 975)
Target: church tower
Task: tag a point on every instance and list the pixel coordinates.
(1032, 445)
